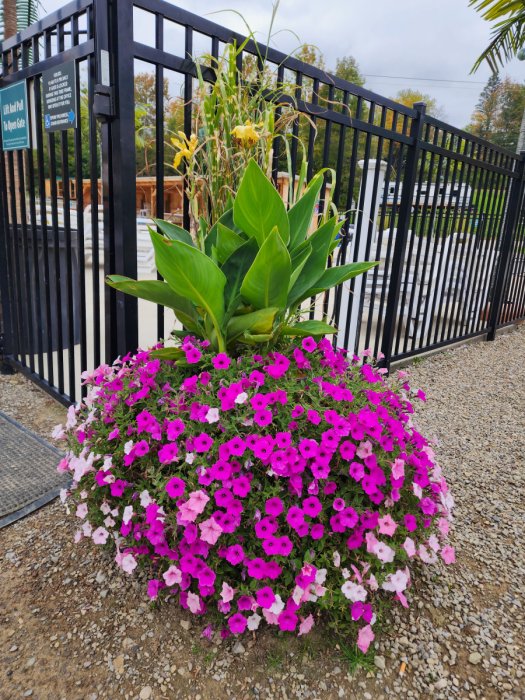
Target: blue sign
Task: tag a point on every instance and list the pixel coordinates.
(15, 117)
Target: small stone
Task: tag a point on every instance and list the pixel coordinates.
(441, 684)
(475, 658)
(185, 625)
(13, 648)
(379, 661)
(128, 643)
(28, 693)
(145, 693)
(118, 664)
(30, 662)
(238, 648)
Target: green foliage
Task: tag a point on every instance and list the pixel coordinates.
(245, 281)
(508, 31)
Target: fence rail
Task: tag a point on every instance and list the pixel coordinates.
(442, 210)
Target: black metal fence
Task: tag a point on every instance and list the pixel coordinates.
(442, 210)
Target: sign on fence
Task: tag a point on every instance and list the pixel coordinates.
(60, 97)
(15, 117)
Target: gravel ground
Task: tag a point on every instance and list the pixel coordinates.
(71, 627)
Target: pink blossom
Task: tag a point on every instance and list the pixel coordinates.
(210, 531)
(308, 344)
(306, 625)
(384, 553)
(409, 547)
(128, 563)
(398, 468)
(82, 510)
(172, 576)
(387, 526)
(212, 416)
(365, 637)
(227, 592)
(100, 535)
(194, 603)
(448, 555)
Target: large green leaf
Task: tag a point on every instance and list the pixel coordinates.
(304, 328)
(315, 265)
(173, 232)
(235, 269)
(300, 215)
(258, 207)
(299, 258)
(159, 293)
(336, 275)
(266, 282)
(192, 274)
(227, 243)
(211, 238)
(256, 322)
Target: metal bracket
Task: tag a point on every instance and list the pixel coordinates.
(104, 103)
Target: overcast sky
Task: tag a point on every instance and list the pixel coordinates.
(407, 39)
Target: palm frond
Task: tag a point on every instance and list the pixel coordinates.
(508, 35)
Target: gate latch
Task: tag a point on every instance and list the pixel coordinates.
(104, 103)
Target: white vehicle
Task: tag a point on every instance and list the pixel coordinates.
(449, 195)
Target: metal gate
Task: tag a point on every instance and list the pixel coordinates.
(442, 210)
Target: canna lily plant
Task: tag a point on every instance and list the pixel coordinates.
(245, 279)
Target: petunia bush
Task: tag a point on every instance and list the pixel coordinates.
(273, 487)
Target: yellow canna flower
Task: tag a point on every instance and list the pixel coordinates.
(247, 134)
(186, 147)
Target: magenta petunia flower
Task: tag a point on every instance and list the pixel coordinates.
(168, 453)
(295, 516)
(237, 623)
(193, 355)
(221, 361)
(309, 344)
(265, 597)
(287, 621)
(262, 417)
(202, 442)
(175, 487)
(312, 506)
(234, 554)
(274, 506)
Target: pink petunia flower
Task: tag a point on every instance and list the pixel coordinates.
(210, 531)
(100, 535)
(448, 555)
(365, 637)
(387, 526)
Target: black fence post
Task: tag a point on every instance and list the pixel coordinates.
(118, 175)
(511, 220)
(6, 328)
(403, 223)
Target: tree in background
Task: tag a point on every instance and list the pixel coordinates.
(484, 117)
(499, 112)
(508, 39)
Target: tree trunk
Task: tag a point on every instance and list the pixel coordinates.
(521, 137)
(10, 27)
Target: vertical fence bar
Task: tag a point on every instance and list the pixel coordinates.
(403, 223)
(506, 246)
(123, 309)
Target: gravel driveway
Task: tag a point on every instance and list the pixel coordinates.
(73, 628)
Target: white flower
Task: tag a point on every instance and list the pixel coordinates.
(145, 499)
(128, 447)
(128, 563)
(213, 415)
(241, 398)
(354, 592)
(320, 575)
(189, 457)
(63, 495)
(127, 515)
(396, 583)
(337, 559)
(58, 432)
(253, 621)
(278, 605)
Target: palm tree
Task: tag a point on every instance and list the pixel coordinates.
(507, 40)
